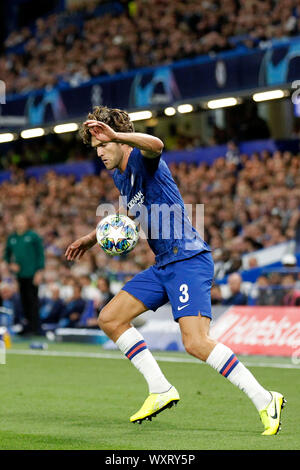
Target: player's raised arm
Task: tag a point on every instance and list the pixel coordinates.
(150, 146)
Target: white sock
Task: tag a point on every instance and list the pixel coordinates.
(133, 345)
(225, 361)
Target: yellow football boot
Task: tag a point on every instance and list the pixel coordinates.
(154, 404)
(270, 416)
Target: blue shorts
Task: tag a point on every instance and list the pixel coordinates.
(186, 284)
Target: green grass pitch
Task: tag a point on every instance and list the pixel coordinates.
(67, 401)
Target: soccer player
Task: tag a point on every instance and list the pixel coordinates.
(182, 273)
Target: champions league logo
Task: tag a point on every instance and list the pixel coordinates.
(278, 63)
(157, 87)
(48, 106)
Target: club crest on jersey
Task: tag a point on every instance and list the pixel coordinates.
(138, 199)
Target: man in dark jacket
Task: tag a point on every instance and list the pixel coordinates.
(24, 253)
(237, 297)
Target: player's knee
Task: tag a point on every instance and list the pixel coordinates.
(195, 346)
(107, 322)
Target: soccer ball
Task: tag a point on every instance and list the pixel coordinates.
(117, 234)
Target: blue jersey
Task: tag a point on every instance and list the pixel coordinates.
(152, 197)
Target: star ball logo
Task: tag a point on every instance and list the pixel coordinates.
(2, 92)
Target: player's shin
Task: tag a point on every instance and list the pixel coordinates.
(133, 345)
(226, 363)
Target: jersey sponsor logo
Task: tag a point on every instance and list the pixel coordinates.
(138, 199)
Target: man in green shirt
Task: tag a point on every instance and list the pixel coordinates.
(24, 253)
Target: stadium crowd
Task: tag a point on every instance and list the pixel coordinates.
(72, 47)
(250, 203)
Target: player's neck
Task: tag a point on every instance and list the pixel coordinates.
(123, 163)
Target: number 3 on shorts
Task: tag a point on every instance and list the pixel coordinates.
(184, 290)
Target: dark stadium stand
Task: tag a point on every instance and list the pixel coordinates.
(105, 38)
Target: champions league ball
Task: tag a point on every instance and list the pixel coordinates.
(117, 234)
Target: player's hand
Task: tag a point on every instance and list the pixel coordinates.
(76, 250)
(101, 131)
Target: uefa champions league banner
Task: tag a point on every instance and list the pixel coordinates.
(267, 330)
(227, 72)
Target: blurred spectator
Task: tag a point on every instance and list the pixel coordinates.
(289, 261)
(263, 296)
(292, 295)
(236, 296)
(103, 285)
(216, 295)
(10, 305)
(24, 254)
(233, 153)
(277, 291)
(52, 308)
(222, 263)
(252, 262)
(89, 290)
(73, 309)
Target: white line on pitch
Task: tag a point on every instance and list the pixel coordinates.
(32, 352)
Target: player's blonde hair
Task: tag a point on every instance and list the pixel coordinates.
(117, 119)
